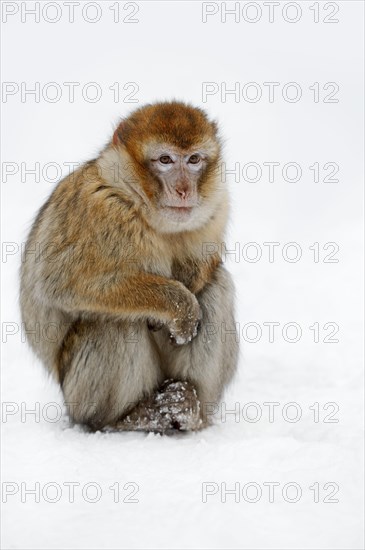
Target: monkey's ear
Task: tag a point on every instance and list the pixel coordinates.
(118, 134)
(214, 126)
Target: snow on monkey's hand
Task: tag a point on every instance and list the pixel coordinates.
(184, 327)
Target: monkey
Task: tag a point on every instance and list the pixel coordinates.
(118, 299)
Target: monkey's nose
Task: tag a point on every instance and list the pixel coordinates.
(182, 189)
(181, 192)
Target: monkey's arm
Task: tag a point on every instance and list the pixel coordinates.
(139, 296)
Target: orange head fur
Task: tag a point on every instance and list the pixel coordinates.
(178, 124)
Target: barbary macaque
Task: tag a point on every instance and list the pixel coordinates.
(117, 262)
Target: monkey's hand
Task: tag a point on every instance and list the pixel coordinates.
(184, 326)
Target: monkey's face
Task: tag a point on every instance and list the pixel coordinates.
(181, 184)
(175, 152)
(177, 174)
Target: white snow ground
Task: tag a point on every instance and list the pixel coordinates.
(180, 483)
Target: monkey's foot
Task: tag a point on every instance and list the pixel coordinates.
(173, 407)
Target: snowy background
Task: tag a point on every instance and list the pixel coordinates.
(315, 387)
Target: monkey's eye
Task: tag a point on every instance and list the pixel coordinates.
(194, 159)
(165, 159)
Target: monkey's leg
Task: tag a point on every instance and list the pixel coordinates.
(106, 368)
(209, 361)
(111, 377)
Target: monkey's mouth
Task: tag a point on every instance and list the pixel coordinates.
(177, 213)
(180, 209)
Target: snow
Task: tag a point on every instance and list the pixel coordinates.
(179, 483)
